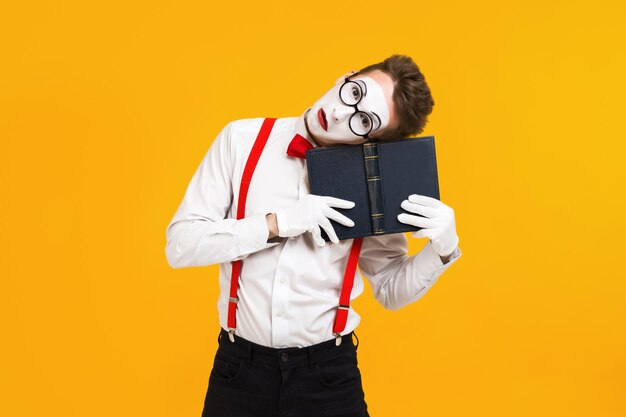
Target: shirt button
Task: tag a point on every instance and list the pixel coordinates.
(282, 280)
(284, 357)
(292, 241)
(279, 314)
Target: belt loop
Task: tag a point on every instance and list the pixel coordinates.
(249, 354)
(357, 340)
(219, 337)
(310, 358)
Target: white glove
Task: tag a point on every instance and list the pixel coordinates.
(311, 212)
(439, 225)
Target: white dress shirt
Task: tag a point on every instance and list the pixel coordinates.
(289, 288)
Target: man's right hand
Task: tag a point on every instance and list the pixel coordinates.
(309, 214)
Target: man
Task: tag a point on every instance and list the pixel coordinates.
(283, 357)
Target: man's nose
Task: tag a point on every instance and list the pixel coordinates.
(342, 112)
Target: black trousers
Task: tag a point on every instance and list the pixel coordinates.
(250, 380)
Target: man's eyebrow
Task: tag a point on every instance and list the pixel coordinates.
(378, 117)
(363, 88)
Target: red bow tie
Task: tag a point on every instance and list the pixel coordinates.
(298, 146)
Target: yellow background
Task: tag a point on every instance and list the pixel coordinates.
(107, 108)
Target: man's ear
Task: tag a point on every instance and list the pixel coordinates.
(343, 77)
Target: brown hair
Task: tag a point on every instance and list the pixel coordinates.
(411, 95)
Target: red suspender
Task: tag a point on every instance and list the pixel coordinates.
(248, 170)
(346, 289)
(348, 279)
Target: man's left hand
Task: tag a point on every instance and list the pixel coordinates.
(437, 224)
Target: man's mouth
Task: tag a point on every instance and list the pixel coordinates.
(321, 116)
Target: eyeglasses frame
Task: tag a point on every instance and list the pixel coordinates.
(356, 109)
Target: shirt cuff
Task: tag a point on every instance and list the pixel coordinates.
(453, 256)
(432, 262)
(252, 233)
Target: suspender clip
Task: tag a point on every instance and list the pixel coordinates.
(337, 338)
(231, 334)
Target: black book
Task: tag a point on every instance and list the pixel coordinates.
(377, 176)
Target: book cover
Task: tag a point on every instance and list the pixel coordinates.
(377, 176)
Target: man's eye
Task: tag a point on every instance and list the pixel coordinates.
(356, 93)
(365, 121)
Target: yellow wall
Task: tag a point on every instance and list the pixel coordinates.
(107, 109)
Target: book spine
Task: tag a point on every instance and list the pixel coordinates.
(374, 187)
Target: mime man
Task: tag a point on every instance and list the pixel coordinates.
(280, 353)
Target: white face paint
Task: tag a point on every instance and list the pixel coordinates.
(337, 113)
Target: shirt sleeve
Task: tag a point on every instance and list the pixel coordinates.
(396, 278)
(199, 234)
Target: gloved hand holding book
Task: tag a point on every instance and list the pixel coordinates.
(438, 222)
(311, 212)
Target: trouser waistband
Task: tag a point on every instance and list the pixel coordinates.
(286, 357)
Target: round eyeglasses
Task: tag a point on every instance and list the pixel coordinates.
(351, 92)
